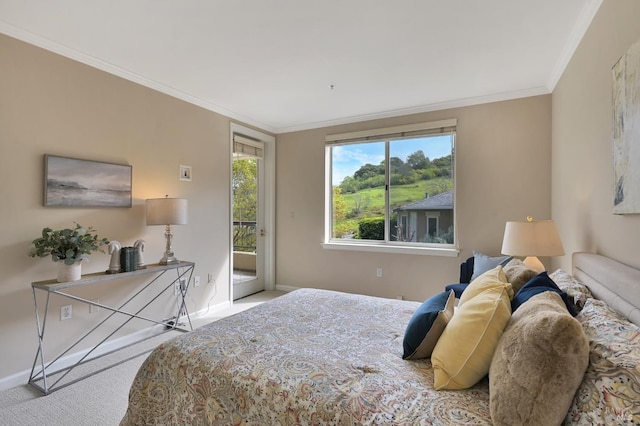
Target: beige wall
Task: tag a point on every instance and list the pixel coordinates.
(53, 105)
(582, 172)
(503, 173)
(507, 169)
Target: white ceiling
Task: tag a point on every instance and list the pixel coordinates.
(271, 63)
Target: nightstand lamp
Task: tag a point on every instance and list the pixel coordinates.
(532, 238)
(167, 211)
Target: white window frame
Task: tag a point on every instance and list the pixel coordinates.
(449, 250)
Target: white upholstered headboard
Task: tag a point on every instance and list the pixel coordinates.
(611, 281)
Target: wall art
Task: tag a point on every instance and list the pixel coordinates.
(71, 182)
(626, 132)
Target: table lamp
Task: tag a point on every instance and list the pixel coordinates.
(167, 211)
(532, 238)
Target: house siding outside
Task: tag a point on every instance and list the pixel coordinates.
(417, 215)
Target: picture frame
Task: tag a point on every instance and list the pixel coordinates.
(73, 182)
(185, 173)
(626, 132)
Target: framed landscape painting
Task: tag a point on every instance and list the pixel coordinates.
(70, 182)
(626, 132)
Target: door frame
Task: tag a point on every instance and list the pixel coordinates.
(269, 200)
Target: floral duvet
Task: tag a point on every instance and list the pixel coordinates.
(310, 357)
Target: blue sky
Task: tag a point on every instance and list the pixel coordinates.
(349, 158)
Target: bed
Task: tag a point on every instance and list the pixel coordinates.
(319, 357)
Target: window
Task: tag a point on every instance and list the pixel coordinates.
(432, 225)
(392, 187)
(403, 222)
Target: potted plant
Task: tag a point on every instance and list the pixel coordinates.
(68, 247)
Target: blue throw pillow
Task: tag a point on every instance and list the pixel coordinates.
(482, 263)
(457, 288)
(539, 284)
(427, 324)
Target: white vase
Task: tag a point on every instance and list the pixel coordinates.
(69, 272)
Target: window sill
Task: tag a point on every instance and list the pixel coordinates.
(388, 248)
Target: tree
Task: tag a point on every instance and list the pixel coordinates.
(443, 163)
(339, 205)
(349, 185)
(245, 189)
(360, 203)
(417, 160)
(368, 170)
(395, 163)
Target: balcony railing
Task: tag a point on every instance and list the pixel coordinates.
(244, 236)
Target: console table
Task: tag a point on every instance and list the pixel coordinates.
(42, 369)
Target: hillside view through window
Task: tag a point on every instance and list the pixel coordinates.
(394, 190)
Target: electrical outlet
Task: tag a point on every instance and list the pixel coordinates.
(66, 312)
(196, 281)
(379, 272)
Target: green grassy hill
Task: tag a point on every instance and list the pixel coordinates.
(370, 202)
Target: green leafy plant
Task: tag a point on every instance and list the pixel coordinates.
(371, 228)
(70, 245)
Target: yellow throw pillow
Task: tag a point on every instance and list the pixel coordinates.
(493, 278)
(464, 351)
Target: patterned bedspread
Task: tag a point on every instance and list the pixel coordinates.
(310, 357)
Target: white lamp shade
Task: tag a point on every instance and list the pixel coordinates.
(167, 211)
(532, 238)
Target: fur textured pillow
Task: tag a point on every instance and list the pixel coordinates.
(518, 274)
(538, 364)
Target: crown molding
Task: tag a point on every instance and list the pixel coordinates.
(577, 33)
(84, 58)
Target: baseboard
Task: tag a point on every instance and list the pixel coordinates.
(286, 288)
(210, 310)
(22, 377)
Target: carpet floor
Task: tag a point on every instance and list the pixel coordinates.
(100, 399)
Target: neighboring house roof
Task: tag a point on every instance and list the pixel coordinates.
(443, 201)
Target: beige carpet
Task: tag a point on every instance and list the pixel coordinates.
(102, 398)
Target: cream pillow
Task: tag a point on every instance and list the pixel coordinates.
(493, 278)
(464, 351)
(538, 364)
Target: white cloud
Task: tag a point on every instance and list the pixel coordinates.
(347, 159)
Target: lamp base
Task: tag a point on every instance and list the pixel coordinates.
(168, 260)
(534, 263)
